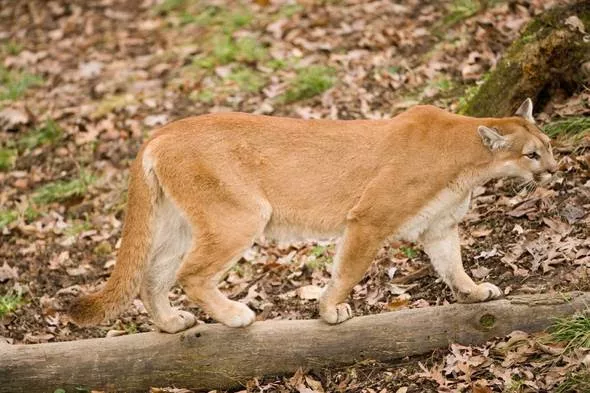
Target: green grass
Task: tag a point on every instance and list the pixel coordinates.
(47, 134)
(460, 10)
(113, 103)
(322, 257)
(226, 19)
(13, 84)
(575, 382)
(63, 190)
(170, 5)
(409, 252)
(204, 96)
(248, 80)
(224, 49)
(7, 217)
(7, 158)
(574, 331)
(309, 82)
(9, 303)
(568, 126)
(11, 48)
(77, 227)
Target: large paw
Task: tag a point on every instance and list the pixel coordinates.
(181, 320)
(481, 293)
(235, 314)
(336, 314)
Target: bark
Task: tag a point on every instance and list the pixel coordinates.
(551, 53)
(216, 357)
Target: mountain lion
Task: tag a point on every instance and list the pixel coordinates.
(204, 188)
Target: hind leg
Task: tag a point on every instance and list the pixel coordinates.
(172, 238)
(159, 279)
(213, 254)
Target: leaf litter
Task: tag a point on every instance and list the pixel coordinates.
(107, 74)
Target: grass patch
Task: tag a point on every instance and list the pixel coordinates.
(320, 257)
(568, 126)
(575, 382)
(248, 80)
(409, 252)
(13, 84)
(113, 103)
(63, 190)
(49, 133)
(460, 10)
(309, 82)
(9, 303)
(224, 49)
(170, 5)
(204, 96)
(7, 158)
(12, 48)
(7, 217)
(574, 331)
(77, 227)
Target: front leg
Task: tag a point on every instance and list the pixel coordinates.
(355, 253)
(444, 251)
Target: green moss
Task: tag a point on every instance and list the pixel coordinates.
(63, 190)
(487, 321)
(309, 82)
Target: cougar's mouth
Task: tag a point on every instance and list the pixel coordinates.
(543, 178)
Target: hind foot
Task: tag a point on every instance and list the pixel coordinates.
(336, 314)
(235, 314)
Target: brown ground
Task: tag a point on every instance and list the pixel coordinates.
(112, 72)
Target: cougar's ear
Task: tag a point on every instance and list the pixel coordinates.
(525, 110)
(491, 138)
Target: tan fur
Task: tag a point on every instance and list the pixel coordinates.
(204, 188)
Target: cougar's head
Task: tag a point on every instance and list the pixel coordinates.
(519, 147)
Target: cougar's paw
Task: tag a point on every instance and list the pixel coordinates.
(481, 293)
(487, 291)
(181, 320)
(336, 314)
(236, 314)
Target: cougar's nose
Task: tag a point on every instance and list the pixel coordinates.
(552, 168)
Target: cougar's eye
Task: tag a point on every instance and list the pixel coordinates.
(532, 156)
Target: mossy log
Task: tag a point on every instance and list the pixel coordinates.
(550, 53)
(216, 357)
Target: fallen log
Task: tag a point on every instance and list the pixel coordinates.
(213, 356)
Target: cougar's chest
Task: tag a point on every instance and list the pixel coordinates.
(446, 209)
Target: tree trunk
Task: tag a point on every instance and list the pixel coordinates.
(216, 357)
(550, 53)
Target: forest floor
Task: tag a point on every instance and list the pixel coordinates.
(82, 84)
